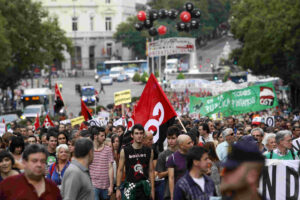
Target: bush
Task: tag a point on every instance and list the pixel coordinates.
(136, 77)
(180, 76)
(145, 77)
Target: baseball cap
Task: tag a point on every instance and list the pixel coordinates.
(245, 150)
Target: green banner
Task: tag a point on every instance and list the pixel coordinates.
(235, 102)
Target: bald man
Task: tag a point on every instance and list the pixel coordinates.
(176, 163)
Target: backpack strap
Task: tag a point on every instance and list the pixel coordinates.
(52, 169)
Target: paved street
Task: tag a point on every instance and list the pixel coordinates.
(72, 99)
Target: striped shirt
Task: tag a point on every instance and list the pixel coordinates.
(99, 169)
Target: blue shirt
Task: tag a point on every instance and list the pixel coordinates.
(187, 189)
(56, 176)
(222, 151)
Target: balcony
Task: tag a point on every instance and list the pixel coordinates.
(90, 34)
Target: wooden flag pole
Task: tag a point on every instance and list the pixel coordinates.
(181, 124)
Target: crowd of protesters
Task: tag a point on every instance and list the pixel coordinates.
(110, 162)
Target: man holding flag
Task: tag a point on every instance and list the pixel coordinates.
(59, 102)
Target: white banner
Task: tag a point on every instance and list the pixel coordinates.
(97, 122)
(171, 46)
(280, 180)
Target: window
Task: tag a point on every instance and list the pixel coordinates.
(109, 49)
(92, 23)
(108, 23)
(74, 23)
(92, 57)
(76, 58)
(107, 1)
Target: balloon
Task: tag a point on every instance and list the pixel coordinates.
(162, 30)
(148, 23)
(194, 24)
(141, 16)
(196, 13)
(152, 31)
(173, 14)
(180, 26)
(189, 6)
(187, 27)
(162, 13)
(153, 14)
(139, 26)
(185, 16)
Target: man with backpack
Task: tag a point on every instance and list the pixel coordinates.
(284, 150)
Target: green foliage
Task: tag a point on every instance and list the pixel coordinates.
(144, 77)
(156, 74)
(180, 76)
(270, 36)
(226, 76)
(134, 99)
(136, 77)
(30, 39)
(214, 12)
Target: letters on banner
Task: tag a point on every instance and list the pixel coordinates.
(280, 180)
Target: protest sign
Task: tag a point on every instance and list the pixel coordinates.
(296, 144)
(171, 46)
(280, 180)
(77, 120)
(122, 97)
(97, 122)
(120, 122)
(67, 121)
(235, 102)
(104, 115)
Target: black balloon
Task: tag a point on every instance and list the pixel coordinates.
(148, 23)
(162, 13)
(139, 26)
(194, 24)
(187, 27)
(189, 6)
(153, 31)
(180, 26)
(196, 13)
(173, 13)
(153, 14)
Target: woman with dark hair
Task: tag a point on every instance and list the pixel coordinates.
(214, 170)
(17, 147)
(62, 138)
(6, 165)
(115, 147)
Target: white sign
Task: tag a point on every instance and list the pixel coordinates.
(104, 115)
(97, 122)
(67, 121)
(2, 129)
(280, 180)
(269, 121)
(120, 122)
(171, 46)
(296, 144)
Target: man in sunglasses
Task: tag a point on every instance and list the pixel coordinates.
(222, 149)
(242, 170)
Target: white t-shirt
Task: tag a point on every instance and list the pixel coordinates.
(200, 182)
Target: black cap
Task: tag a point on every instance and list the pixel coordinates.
(245, 150)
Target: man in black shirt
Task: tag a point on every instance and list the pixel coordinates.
(138, 162)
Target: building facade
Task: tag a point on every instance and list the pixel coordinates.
(91, 25)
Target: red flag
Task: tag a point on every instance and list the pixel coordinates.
(85, 112)
(156, 114)
(37, 122)
(47, 122)
(57, 92)
(83, 127)
(3, 120)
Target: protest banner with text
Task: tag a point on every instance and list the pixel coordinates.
(280, 180)
(122, 97)
(235, 102)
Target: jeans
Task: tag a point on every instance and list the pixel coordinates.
(159, 189)
(101, 194)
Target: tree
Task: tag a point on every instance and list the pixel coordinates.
(213, 13)
(32, 39)
(269, 32)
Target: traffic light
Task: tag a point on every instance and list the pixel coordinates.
(215, 77)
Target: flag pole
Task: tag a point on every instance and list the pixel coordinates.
(181, 124)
